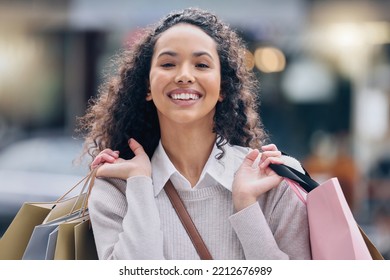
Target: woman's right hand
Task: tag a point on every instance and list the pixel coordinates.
(114, 166)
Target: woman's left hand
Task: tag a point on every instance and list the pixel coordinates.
(250, 181)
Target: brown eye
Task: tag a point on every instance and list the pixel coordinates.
(167, 65)
(202, 65)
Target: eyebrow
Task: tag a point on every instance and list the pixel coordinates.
(195, 54)
(170, 53)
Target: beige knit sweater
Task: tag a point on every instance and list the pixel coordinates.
(134, 219)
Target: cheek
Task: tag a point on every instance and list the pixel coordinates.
(158, 80)
(215, 85)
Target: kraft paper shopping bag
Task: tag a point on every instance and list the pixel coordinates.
(38, 243)
(17, 236)
(15, 239)
(66, 240)
(85, 248)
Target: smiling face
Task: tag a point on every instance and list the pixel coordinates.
(185, 76)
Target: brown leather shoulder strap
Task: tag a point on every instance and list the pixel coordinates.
(187, 222)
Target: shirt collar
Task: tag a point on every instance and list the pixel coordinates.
(221, 171)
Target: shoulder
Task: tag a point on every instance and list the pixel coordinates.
(106, 188)
(107, 197)
(280, 201)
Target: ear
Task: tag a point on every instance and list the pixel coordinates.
(220, 98)
(149, 93)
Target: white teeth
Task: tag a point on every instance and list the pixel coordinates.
(185, 96)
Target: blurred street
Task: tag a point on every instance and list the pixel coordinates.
(324, 68)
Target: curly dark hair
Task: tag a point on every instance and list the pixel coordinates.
(120, 110)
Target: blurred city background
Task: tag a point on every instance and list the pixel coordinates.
(324, 68)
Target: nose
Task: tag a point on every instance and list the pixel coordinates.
(184, 75)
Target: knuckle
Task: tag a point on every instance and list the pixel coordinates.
(273, 147)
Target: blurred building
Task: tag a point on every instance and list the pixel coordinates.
(324, 68)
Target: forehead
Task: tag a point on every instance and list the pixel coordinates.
(187, 36)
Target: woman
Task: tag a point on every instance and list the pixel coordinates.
(182, 108)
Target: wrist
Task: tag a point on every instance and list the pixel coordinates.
(139, 172)
(243, 202)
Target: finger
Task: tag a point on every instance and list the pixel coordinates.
(95, 165)
(265, 155)
(108, 158)
(269, 147)
(114, 154)
(250, 158)
(136, 147)
(268, 154)
(110, 152)
(96, 161)
(269, 160)
(102, 158)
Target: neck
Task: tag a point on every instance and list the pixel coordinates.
(188, 149)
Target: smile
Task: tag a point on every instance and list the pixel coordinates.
(185, 96)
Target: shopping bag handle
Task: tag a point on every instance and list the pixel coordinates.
(85, 180)
(88, 186)
(303, 179)
(89, 181)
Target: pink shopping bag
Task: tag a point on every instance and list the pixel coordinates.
(334, 232)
